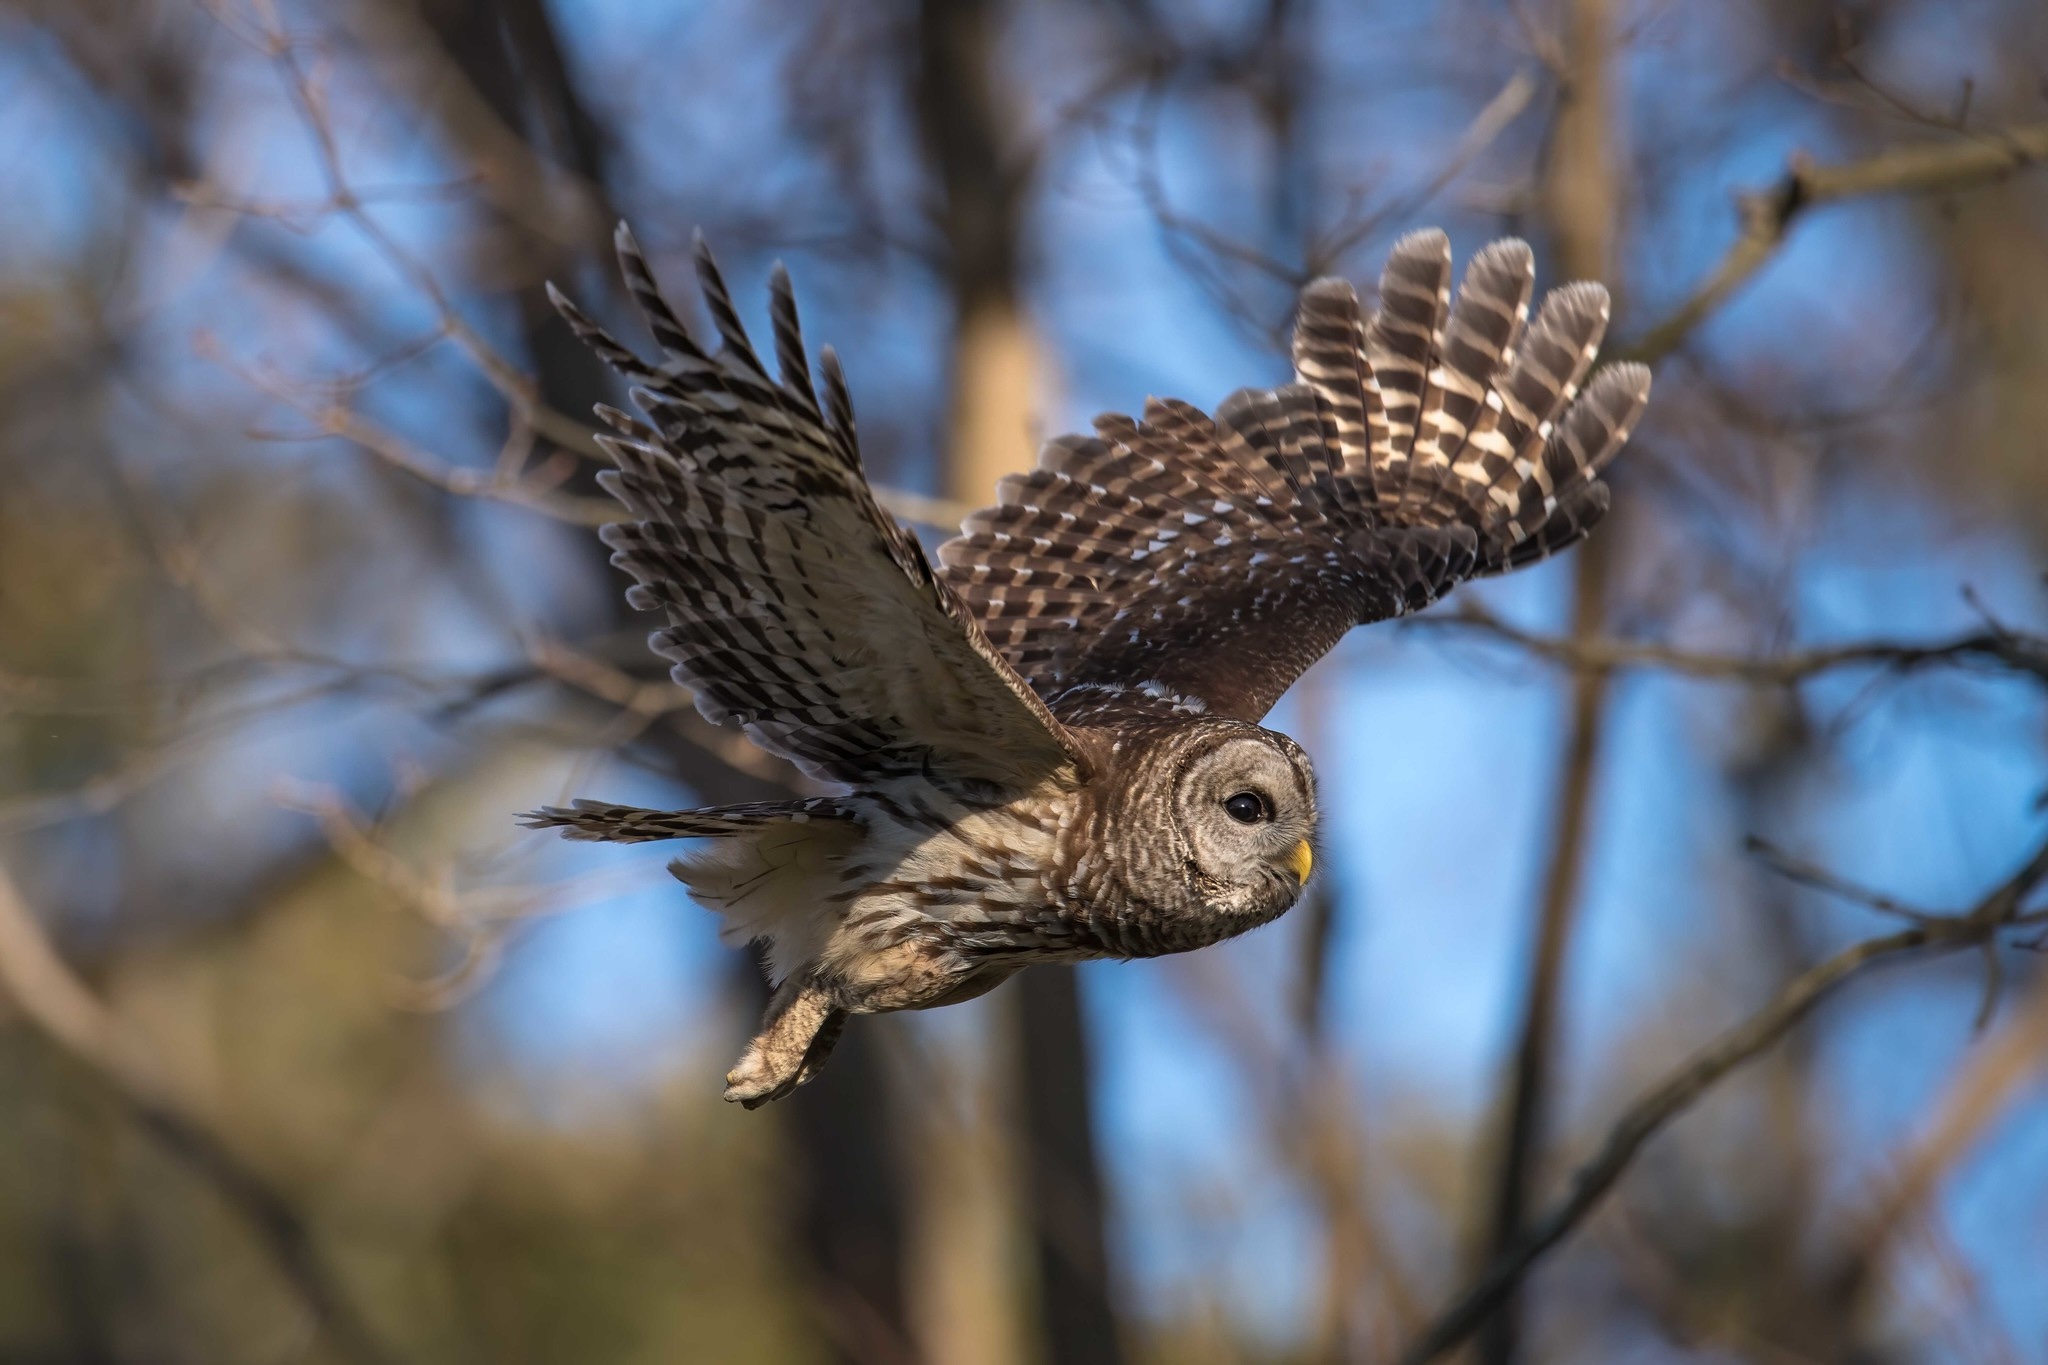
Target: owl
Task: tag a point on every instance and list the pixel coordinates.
(1046, 746)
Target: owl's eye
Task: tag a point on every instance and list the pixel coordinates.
(1246, 808)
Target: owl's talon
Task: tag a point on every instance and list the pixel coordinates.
(798, 1032)
(752, 1084)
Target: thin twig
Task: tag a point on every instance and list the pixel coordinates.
(1820, 879)
(1509, 103)
(2004, 649)
(1983, 1086)
(506, 482)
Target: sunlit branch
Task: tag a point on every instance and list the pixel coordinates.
(1767, 216)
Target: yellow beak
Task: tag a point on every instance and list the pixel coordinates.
(1300, 861)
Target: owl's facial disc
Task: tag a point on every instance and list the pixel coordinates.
(1246, 809)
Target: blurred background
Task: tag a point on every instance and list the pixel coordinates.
(307, 1054)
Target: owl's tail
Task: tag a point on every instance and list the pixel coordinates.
(600, 820)
(768, 875)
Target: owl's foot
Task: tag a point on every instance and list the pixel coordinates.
(797, 1033)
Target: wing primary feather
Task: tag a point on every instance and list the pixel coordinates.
(1487, 320)
(669, 332)
(790, 361)
(608, 348)
(1404, 335)
(1330, 357)
(718, 299)
(603, 821)
(624, 422)
(838, 408)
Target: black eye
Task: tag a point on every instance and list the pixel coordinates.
(1246, 808)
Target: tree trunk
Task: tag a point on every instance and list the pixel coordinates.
(845, 1200)
(982, 180)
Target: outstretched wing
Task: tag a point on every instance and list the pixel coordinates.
(797, 608)
(1196, 564)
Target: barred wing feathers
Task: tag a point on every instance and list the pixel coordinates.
(1188, 563)
(798, 609)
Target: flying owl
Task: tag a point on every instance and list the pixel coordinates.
(1049, 743)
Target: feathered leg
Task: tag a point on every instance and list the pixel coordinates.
(797, 1033)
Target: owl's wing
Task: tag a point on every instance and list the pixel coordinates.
(1196, 564)
(798, 609)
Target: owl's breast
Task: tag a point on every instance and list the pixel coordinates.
(976, 879)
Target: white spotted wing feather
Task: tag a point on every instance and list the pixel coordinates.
(1181, 561)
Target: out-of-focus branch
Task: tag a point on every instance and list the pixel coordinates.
(1311, 1114)
(1495, 117)
(544, 194)
(1979, 1093)
(507, 481)
(1767, 215)
(1582, 202)
(1189, 240)
(1529, 1080)
(1999, 910)
(1803, 873)
(60, 1006)
(479, 919)
(1366, 1302)
(1993, 648)
(1581, 191)
(517, 387)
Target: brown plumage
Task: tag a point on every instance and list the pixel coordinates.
(1051, 742)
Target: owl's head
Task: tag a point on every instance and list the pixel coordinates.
(1243, 807)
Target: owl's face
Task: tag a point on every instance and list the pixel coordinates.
(1244, 812)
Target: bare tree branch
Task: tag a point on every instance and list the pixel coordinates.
(1998, 910)
(1980, 1091)
(1995, 648)
(60, 1006)
(1767, 216)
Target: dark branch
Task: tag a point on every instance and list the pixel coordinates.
(1994, 647)
(1998, 910)
(1767, 215)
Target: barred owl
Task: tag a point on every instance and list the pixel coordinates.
(1049, 744)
